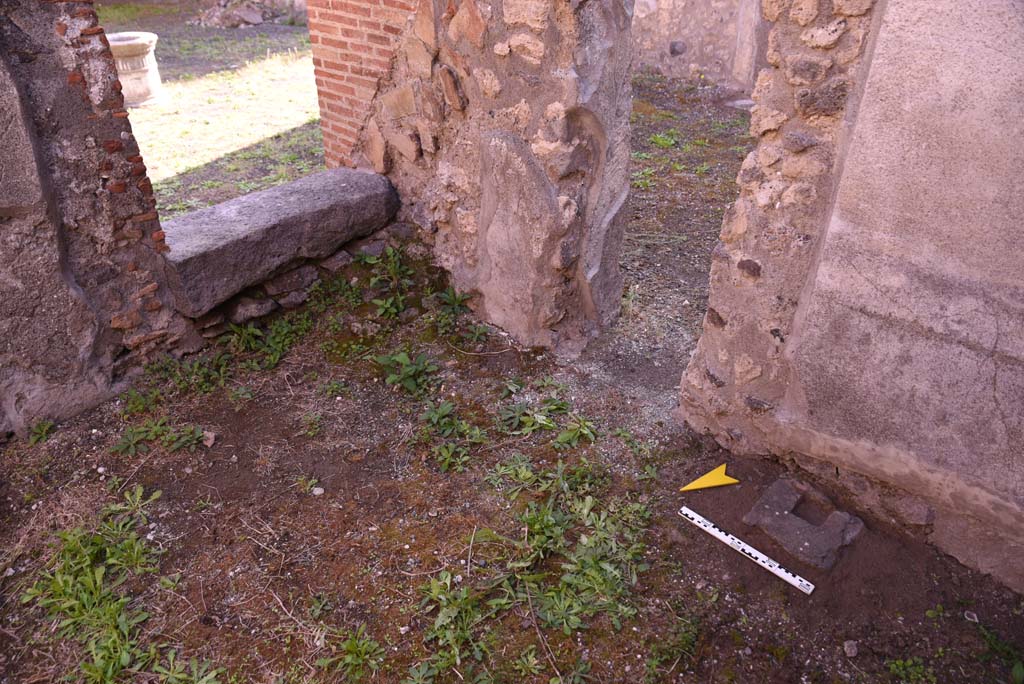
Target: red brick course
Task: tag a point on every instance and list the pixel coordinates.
(353, 42)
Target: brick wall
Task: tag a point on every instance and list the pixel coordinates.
(353, 41)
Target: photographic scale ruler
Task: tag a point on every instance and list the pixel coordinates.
(747, 550)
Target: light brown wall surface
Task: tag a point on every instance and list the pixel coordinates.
(718, 39)
(902, 357)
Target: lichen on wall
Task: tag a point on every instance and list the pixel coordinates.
(504, 127)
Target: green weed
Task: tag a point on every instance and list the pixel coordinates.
(40, 432)
(413, 375)
(354, 656)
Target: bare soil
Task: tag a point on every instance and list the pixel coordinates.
(258, 551)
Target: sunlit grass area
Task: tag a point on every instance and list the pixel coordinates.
(203, 119)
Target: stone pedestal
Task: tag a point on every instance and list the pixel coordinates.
(136, 67)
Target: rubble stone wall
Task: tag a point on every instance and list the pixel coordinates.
(866, 308)
(504, 127)
(81, 299)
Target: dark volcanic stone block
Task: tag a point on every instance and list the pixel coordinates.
(219, 251)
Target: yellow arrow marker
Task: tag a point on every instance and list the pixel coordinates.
(713, 478)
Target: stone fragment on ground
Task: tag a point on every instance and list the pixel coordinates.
(816, 545)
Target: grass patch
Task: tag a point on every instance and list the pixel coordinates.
(122, 13)
(82, 590)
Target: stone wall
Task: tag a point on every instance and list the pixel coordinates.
(81, 299)
(866, 307)
(505, 129)
(718, 39)
(91, 285)
(353, 43)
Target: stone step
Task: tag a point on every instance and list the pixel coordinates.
(217, 252)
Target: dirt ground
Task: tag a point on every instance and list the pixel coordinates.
(317, 523)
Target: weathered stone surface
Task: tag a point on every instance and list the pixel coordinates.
(81, 291)
(245, 309)
(765, 119)
(827, 99)
(489, 84)
(851, 8)
(528, 47)
(400, 102)
(804, 12)
(452, 87)
(467, 23)
(219, 251)
(420, 59)
(532, 13)
(296, 279)
(816, 545)
(824, 36)
(19, 181)
(559, 130)
(337, 261)
(405, 142)
(806, 70)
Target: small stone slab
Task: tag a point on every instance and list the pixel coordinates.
(221, 250)
(816, 545)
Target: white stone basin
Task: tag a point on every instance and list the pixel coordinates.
(135, 57)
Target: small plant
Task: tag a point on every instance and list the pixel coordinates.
(240, 395)
(452, 302)
(391, 271)
(244, 338)
(319, 605)
(413, 375)
(136, 403)
(477, 333)
(189, 437)
(451, 456)
(390, 307)
(680, 646)
(312, 424)
(528, 664)
(453, 305)
(643, 179)
(702, 168)
(424, 673)
(642, 156)
(911, 671)
(354, 657)
(511, 387)
(306, 484)
(666, 140)
(577, 428)
(198, 672)
(333, 388)
(81, 590)
(935, 613)
(40, 432)
(133, 441)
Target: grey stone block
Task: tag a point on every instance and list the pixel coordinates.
(219, 251)
(816, 545)
(246, 308)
